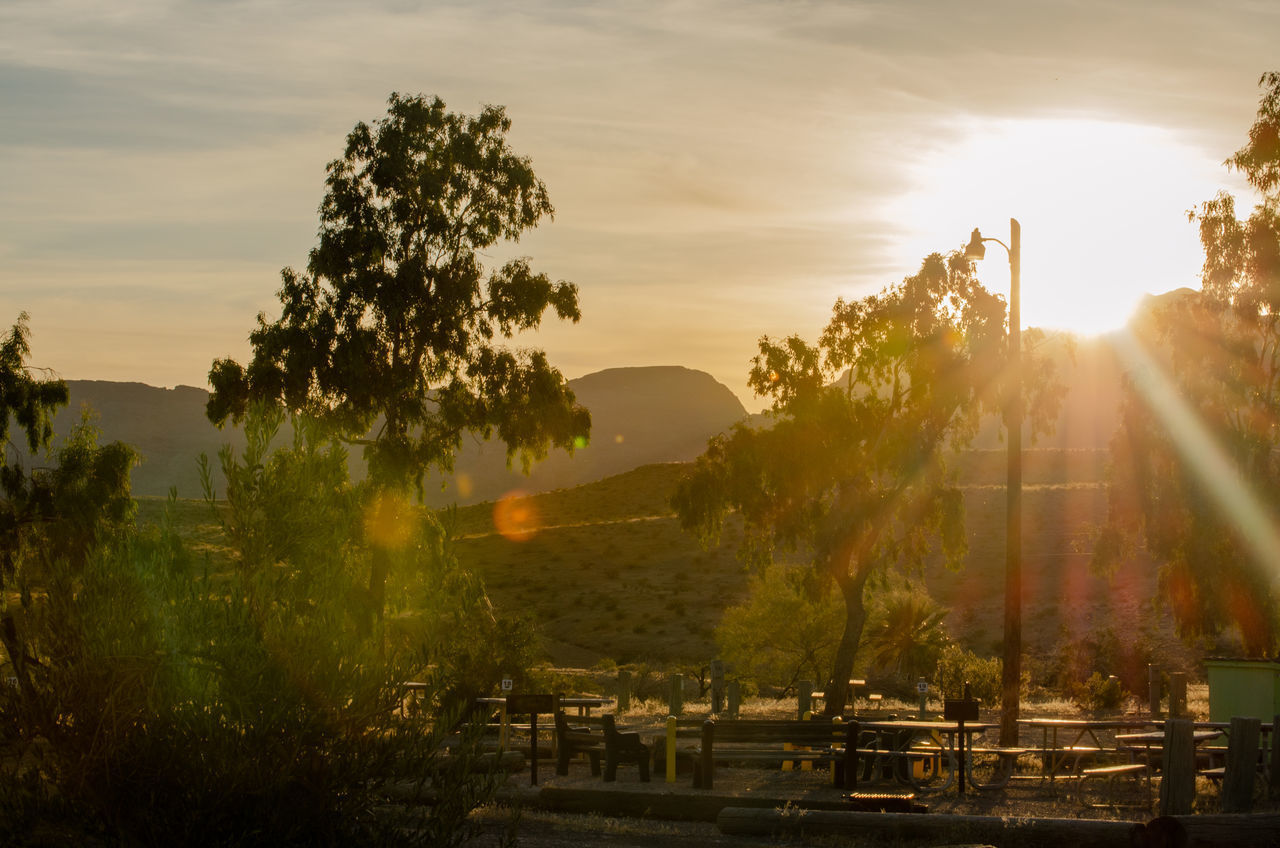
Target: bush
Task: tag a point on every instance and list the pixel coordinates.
(957, 666)
(1101, 694)
(784, 632)
(171, 705)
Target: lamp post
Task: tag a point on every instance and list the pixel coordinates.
(1012, 678)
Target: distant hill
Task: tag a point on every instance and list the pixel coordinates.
(640, 416)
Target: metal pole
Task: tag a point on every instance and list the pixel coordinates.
(1013, 540)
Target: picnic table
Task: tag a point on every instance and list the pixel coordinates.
(1152, 742)
(1073, 739)
(902, 748)
(583, 705)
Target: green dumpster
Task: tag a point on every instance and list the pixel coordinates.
(1239, 687)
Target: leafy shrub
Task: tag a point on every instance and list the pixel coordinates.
(905, 633)
(784, 632)
(1101, 694)
(171, 705)
(1102, 652)
(957, 666)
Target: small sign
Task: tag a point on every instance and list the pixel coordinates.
(522, 704)
(960, 709)
(506, 684)
(922, 687)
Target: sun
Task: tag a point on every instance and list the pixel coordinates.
(1103, 208)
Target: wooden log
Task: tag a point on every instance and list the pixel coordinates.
(735, 698)
(1052, 833)
(1178, 786)
(1231, 831)
(804, 699)
(1242, 765)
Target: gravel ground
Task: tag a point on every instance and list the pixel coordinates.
(540, 828)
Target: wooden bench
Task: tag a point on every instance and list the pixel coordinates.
(1134, 770)
(622, 747)
(1004, 769)
(576, 739)
(767, 741)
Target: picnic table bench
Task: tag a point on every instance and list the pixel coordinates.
(576, 739)
(621, 747)
(768, 741)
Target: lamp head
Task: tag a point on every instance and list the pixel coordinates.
(975, 249)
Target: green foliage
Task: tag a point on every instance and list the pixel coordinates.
(167, 705)
(30, 402)
(1098, 652)
(1218, 350)
(852, 469)
(906, 635)
(958, 666)
(394, 321)
(395, 316)
(1100, 694)
(783, 632)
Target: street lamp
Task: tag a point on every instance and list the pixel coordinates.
(1011, 682)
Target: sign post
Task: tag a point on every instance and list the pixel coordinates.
(960, 710)
(531, 704)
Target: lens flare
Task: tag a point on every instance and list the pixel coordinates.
(515, 517)
(1202, 453)
(389, 520)
(464, 485)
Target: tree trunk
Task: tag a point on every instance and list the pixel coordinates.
(837, 688)
(376, 598)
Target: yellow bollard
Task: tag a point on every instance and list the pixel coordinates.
(671, 749)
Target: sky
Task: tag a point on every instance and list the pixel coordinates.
(720, 171)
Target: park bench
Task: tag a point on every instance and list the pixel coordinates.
(576, 739)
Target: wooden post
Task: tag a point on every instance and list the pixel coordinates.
(707, 763)
(1178, 786)
(677, 694)
(735, 697)
(624, 691)
(1242, 765)
(1274, 788)
(533, 748)
(671, 749)
(1153, 690)
(804, 698)
(717, 686)
(1178, 694)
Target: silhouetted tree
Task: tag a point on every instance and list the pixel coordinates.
(56, 512)
(396, 324)
(851, 471)
(1218, 351)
